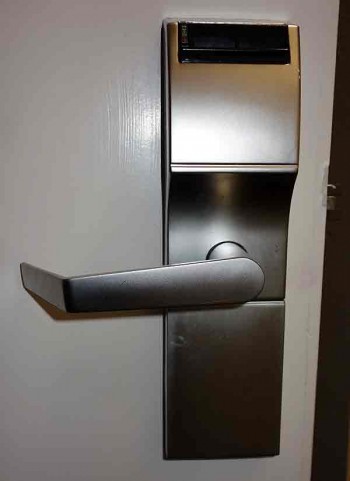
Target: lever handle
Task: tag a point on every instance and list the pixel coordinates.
(223, 281)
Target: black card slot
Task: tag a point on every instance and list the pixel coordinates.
(233, 43)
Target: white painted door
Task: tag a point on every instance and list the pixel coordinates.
(80, 400)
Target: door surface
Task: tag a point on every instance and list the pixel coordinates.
(81, 396)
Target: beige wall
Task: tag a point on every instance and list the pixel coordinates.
(80, 192)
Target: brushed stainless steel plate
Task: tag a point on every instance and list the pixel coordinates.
(230, 160)
(251, 209)
(223, 377)
(233, 113)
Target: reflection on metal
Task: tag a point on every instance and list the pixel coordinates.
(267, 168)
(233, 113)
(251, 209)
(231, 148)
(223, 376)
(225, 281)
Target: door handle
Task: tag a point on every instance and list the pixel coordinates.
(211, 282)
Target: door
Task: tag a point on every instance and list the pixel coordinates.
(331, 455)
(81, 395)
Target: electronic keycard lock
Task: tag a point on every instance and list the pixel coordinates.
(230, 137)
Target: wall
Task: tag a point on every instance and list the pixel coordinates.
(80, 396)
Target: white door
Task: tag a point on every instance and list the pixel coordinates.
(80, 400)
